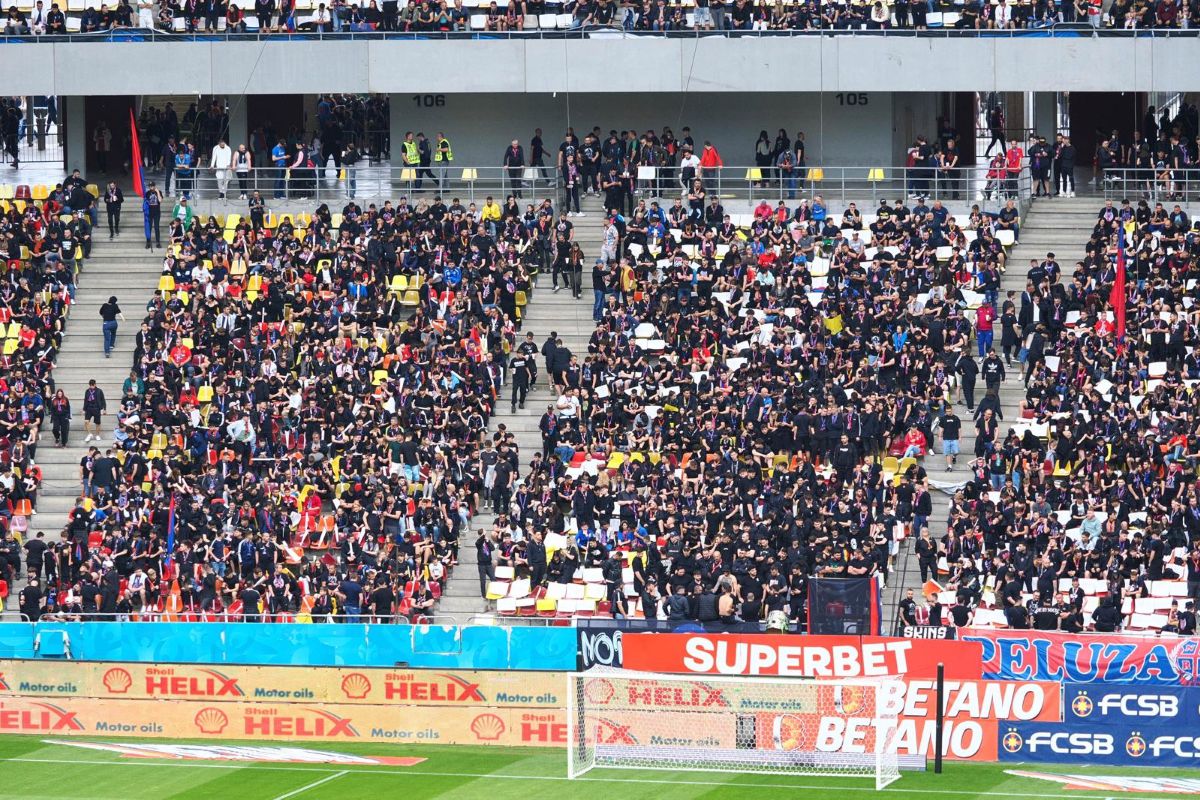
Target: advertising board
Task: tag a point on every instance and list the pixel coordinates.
(1123, 703)
(1074, 658)
(72, 716)
(1097, 743)
(234, 683)
(798, 656)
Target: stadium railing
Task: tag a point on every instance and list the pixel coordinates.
(837, 184)
(1155, 185)
(938, 30)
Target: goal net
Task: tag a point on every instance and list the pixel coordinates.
(641, 720)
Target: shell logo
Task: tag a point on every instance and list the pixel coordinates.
(355, 686)
(787, 732)
(117, 680)
(599, 691)
(211, 720)
(847, 700)
(487, 727)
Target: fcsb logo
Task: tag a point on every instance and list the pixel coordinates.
(1059, 743)
(1013, 742)
(1126, 704)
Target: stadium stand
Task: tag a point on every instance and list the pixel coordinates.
(39, 18)
(45, 238)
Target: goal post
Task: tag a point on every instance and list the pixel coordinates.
(623, 719)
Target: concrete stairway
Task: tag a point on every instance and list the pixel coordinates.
(547, 311)
(126, 269)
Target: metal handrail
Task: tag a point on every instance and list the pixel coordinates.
(1056, 30)
(1175, 185)
(732, 182)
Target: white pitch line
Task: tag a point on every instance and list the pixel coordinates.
(312, 785)
(409, 773)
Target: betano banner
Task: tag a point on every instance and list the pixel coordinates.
(1087, 658)
(799, 656)
(328, 722)
(815, 717)
(231, 683)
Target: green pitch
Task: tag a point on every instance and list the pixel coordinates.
(31, 769)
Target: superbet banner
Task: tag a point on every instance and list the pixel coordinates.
(328, 722)
(799, 656)
(231, 683)
(1090, 658)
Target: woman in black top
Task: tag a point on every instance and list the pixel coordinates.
(112, 204)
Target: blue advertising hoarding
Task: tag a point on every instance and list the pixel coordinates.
(1115, 703)
(1113, 745)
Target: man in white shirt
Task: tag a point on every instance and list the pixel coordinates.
(221, 161)
(37, 19)
(146, 14)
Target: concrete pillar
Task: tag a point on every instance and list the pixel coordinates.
(239, 126)
(1045, 114)
(72, 114)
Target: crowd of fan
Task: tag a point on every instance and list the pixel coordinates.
(1086, 513)
(720, 436)
(307, 412)
(443, 16)
(43, 244)
(1158, 160)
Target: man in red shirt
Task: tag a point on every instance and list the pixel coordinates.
(914, 443)
(984, 318)
(1013, 159)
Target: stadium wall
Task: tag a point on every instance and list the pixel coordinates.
(532, 65)
(836, 131)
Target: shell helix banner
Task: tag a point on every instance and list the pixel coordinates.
(318, 722)
(227, 683)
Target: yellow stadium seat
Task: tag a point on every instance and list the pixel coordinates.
(875, 174)
(379, 376)
(407, 174)
(754, 174)
(166, 283)
(522, 300)
(816, 174)
(158, 441)
(411, 298)
(399, 284)
(7, 191)
(205, 394)
(93, 190)
(40, 191)
(468, 174)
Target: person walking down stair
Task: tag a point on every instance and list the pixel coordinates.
(110, 312)
(94, 407)
(519, 374)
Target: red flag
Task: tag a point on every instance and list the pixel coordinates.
(138, 184)
(1116, 297)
